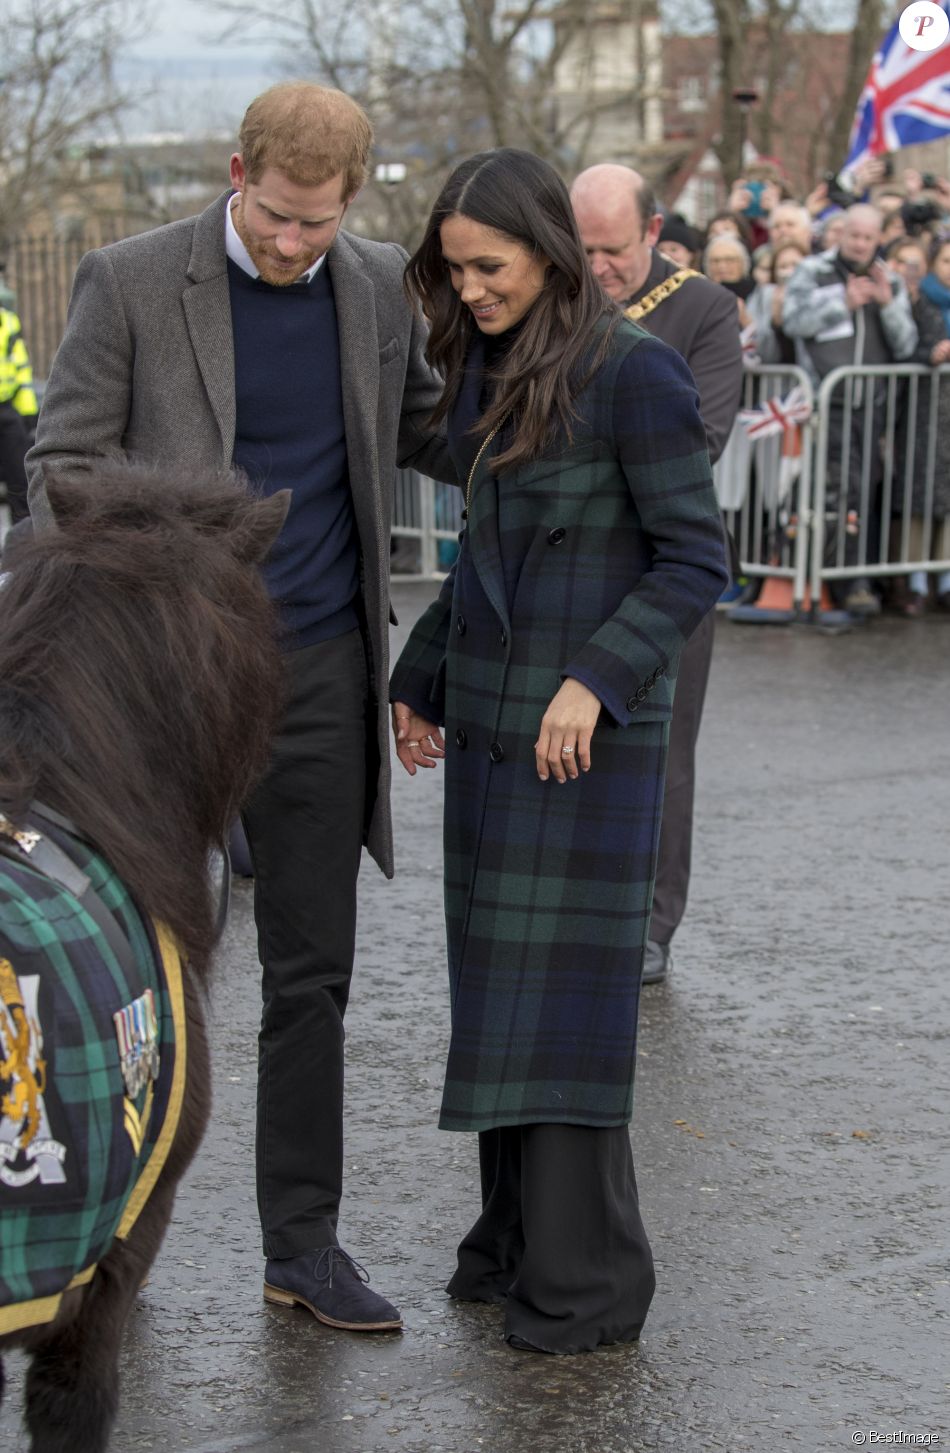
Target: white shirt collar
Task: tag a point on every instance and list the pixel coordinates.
(239, 254)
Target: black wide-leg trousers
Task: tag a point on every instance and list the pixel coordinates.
(560, 1241)
(304, 826)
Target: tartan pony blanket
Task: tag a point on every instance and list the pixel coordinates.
(92, 1069)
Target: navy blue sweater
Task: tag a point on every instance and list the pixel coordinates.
(289, 435)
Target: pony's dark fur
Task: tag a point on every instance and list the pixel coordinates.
(139, 685)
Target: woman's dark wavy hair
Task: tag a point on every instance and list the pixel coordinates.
(563, 340)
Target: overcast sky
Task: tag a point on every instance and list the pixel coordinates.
(187, 78)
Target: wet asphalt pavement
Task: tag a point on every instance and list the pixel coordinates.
(790, 1132)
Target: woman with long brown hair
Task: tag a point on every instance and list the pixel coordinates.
(592, 549)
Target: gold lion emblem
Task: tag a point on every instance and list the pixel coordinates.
(22, 1066)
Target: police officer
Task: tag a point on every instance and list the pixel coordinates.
(17, 411)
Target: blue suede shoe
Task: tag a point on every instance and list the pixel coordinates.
(331, 1285)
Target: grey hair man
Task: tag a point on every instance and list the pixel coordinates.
(620, 224)
(789, 222)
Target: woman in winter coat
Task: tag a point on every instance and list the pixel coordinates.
(592, 549)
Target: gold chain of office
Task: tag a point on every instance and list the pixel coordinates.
(659, 294)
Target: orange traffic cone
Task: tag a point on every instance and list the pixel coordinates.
(775, 604)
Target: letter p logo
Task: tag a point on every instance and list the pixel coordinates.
(924, 25)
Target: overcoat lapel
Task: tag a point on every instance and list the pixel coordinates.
(355, 300)
(481, 485)
(207, 307)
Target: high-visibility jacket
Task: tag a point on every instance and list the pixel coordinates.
(16, 375)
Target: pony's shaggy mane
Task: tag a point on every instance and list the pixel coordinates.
(139, 680)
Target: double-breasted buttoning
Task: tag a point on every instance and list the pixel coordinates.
(548, 887)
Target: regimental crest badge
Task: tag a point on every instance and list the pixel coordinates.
(136, 1029)
(28, 1150)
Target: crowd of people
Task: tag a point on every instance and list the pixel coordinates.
(858, 272)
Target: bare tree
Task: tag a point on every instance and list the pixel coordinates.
(865, 36)
(58, 94)
(441, 79)
(770, 45)
(732, 23)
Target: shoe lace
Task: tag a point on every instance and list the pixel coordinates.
(328, 1259)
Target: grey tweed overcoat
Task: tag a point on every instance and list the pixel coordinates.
(146, 368)
(596, 563)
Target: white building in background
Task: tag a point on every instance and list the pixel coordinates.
(608, 81)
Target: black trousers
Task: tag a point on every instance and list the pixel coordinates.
(14, 442)
(845, 491)
(676, 825)
(560, 1241)
(304, 827)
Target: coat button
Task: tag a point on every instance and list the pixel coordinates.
(556, 536)
(460, 625)
(632, 703)
(641, 692)
(461, 740)
(504, 638)
(497, 752)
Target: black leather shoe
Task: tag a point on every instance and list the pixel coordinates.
(657, 960)
(331, 1285)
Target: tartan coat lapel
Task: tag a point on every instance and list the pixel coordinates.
(479, 484)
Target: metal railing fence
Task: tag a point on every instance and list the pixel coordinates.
(857, 490)
(878, 476)
(764, 485)
(39, 271)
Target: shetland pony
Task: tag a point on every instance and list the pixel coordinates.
(139, 683)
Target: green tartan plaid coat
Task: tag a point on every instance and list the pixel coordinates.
(75, 1180)
(595, 563)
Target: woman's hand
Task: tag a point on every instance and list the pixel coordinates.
(940, 353)
(419, 743)
(568, 723)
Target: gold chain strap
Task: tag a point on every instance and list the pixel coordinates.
(484, 445)
(663, 290)
(25, 838)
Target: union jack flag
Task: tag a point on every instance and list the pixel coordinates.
(906, 98)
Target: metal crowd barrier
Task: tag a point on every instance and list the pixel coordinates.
(427, 517)
(764, 484)
(870, 438)
(829, 498)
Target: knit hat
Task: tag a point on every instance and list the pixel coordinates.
(677, 229)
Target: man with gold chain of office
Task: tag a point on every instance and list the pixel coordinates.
(619, 224)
